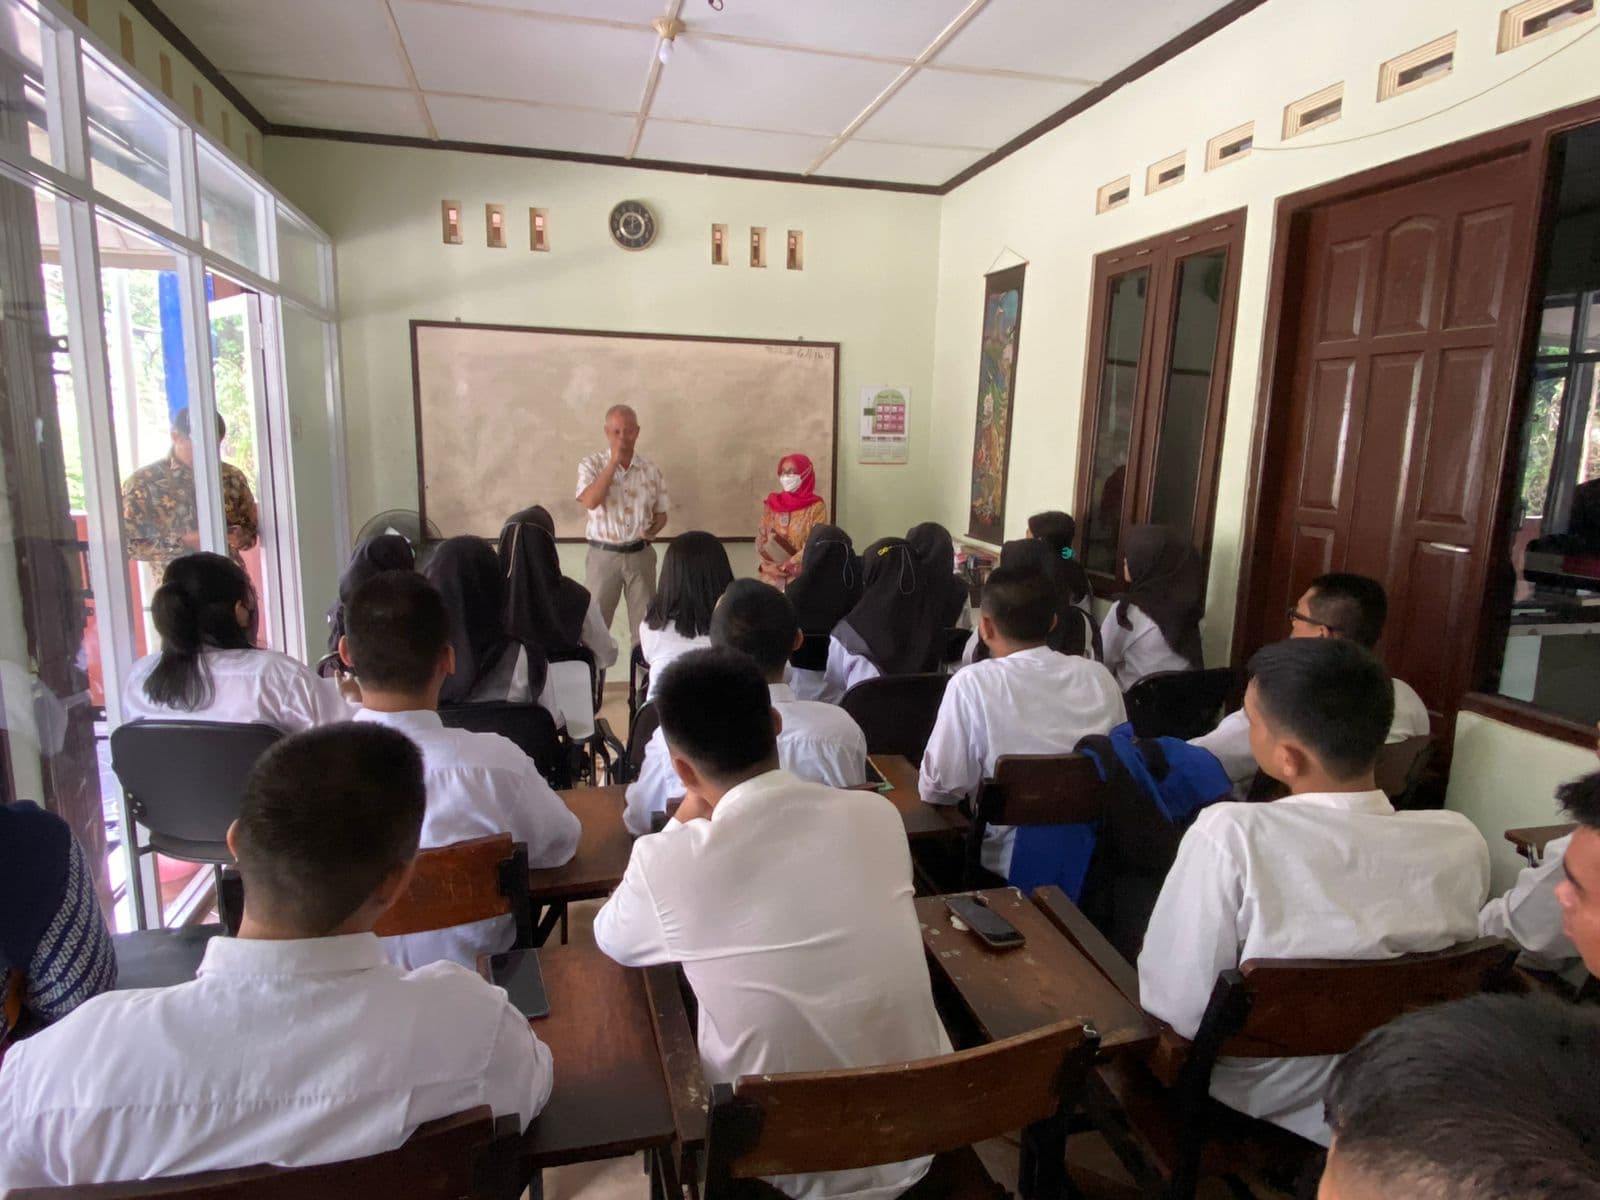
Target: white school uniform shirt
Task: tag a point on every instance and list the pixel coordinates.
(661, 646)
(248, 686)
(1134, 653)
(820, 743)
(638, 492)
(1325, 875)
(478, 784)
(1230, 740)
(289, 1052)
(1530, 915)
(845, 669)
(1032, 702)
(819, 968)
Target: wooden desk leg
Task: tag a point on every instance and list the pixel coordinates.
(1042, 1168)
(553, 915)
(663, 1165)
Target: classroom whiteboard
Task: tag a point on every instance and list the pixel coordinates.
(505, 413)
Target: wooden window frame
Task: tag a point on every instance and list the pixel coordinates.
(1161, 254)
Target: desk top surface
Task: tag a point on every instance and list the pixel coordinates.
(921, 820)
(603, 850)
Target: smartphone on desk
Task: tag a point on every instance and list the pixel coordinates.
(518, 972)
(995, 930)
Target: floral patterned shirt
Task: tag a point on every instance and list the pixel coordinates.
(158, 508)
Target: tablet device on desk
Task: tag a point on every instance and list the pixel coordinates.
(518, 972)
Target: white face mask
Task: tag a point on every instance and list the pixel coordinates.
(789, 483)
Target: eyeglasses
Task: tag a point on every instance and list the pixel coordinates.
(1295, 614)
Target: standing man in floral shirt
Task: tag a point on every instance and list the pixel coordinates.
(159, 519)
(625, 496)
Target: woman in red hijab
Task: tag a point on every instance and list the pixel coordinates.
(787, 518)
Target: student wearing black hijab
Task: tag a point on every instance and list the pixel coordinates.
(1075, 632)
(491, 665)
(1057, 530)
(896, 628)
(935, 552)
(386, 552)
(829, 583)
(1155, 625)
(542, 606)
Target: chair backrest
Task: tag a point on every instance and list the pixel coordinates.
(465, 882)
(597, 677)
(955, 644)
(1182, 704)
(839, 1120)
(1400, 769)
(185, 779)
(470, 1155)
(330, 665)
(812, 654)
(645, 722)
(638, 680)
(530, 726)
(897, 712)
(1042, 789)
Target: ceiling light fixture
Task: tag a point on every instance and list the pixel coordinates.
(667, 28)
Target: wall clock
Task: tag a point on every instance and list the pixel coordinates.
(633, 225)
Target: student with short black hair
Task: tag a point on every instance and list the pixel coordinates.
(1578, 891)
(1330, 871)
(694, 574)
(789, 908)
(1488, 1098)
(297, 1043)
(209, 669)
(819, 742)
(1339, 605)
(1024, 699)
(398, 644)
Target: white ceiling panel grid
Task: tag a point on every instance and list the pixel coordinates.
(510, 123)
(316, 105)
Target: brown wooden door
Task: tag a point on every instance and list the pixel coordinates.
(1409, 316)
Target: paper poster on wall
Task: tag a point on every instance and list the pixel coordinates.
(997, 375)
(884, 434)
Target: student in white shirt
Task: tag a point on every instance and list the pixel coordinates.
(818, 742)
(788, 904)
(1024, 699)
(1154, 625)
(1330, 871)
(1529, 914)
(1578, 892)
(297, 1042)
(694, 574)
(896, 628)
(208, 670)
(397, 641)
(1489, 1098)
(1338, 605)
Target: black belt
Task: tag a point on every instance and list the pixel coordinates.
(625, 548)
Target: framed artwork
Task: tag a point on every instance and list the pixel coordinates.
(997, 380)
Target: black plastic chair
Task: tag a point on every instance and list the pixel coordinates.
(601, 750)
(530, 726)
(955, 644)
(638, 681)
(1183, 704)
(645, 722)
(813, 653)
(154, 958)
(897, 712)
(330, 666)
(184, 781)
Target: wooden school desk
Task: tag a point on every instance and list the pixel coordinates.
(1531, 841)
(595, 870)
(921, 820)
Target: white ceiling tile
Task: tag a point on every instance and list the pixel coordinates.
(1078, 39)
(898, 28)
(335, 106)
(508, 123)
(899, 164)
(944, 108)
(507, 56)
(639, 11)
(350, 42)
(767, 89)
(729, 147)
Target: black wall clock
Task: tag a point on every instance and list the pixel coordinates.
(633, 225)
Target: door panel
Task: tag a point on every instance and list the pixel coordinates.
(1327, 427)
(1478, 289)
(1410, 272)
(1345, 273)
(1452, 448)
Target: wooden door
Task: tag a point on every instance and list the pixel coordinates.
(1409, 314)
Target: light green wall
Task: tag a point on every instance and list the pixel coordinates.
(1039, 203)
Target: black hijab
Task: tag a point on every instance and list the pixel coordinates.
(829, 582)
(1168, 583)
(897, 623)
(1075, 633)
(385, 552)
(935, 552)
(1057, 530)
(543, 607)
(468, 576)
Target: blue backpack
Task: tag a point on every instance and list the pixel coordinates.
(1158, 785)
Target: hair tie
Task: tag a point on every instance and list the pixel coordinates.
(884, 550)
(1066, 553)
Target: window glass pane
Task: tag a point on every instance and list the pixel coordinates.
(1187, 391)
(229, 211)
(299, 260)
(1119, 374)
(1589, 340)
(1555, 325)
(133, 146)
(311, 445)
(51, 677)
(24, 118)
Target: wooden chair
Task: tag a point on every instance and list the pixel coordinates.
(1159, 1116)
(838, 1120)
(465, 882)
(1032, 789)
(470, 1156)
(530, 726)
(1183, 704)
(813, 653)
(1401, 766)
(897, 712)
